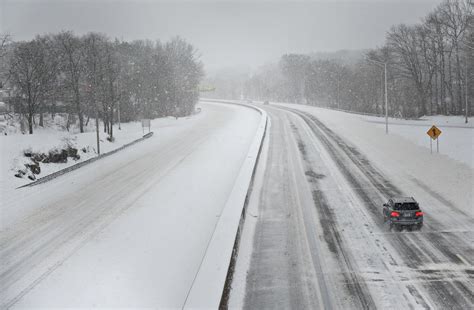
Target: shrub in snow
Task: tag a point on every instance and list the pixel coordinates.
(72, 152)
(20, 173)
(34, 168)
(58, 156)
(31, 176)
(28, 152)
(30, 166)
(39, 157)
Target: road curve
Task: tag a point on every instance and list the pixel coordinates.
(131, 229)
(320, 241)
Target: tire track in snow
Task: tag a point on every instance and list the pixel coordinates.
(413, 247)
(55, 239)
(355, 286)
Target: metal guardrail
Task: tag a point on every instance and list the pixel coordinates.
(56, 174)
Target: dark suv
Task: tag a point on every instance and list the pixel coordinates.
(403, 211)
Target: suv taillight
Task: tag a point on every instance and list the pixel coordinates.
(394, 214)
(419, 213)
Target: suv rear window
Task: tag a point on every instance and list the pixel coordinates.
(405, 206)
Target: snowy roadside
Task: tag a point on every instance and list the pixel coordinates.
(404, 154)
(456, 140)
(142, 218)
(51, 138)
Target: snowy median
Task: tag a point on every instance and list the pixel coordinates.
(208, 286)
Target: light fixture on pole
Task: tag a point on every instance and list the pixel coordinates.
(384, 66)
(466, 83)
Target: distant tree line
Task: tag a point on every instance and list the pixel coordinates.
(93, 76)
(430, 70)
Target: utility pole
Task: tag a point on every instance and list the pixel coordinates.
(386, 99)
(118, 113)
(384, 66)
(118, 102)
(466, 86)
(97, 128)
(96, 117)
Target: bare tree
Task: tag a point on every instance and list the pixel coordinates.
(94, 45)
(94, 73)
(455, 16)
(5, 41)
(31, 74)
(406, 45)
(112, 70)
(72, 65)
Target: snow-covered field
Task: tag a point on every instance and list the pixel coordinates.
(129, 230)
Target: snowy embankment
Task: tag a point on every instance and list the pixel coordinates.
(404, 154)
(456, 140)
(130, 230)
(54, 137)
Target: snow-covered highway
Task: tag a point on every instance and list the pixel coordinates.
(132, 230)
(129, 230)
(316, 239)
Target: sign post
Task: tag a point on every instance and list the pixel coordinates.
(434, 133)
(145, 123)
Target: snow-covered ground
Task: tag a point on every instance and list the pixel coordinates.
(456, 140)
(318, 239)
(131, 229)
(405, 151)
(55, 136)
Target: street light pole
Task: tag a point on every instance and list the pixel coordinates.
(466, 84)
(384, 66)
(118, 114)
(97, 129)
(386, 98)
(467, 92)
(96, 117)
(118, 103)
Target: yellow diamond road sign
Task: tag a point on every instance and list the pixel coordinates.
(434, 132)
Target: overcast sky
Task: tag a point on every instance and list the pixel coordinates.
(227, 33)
